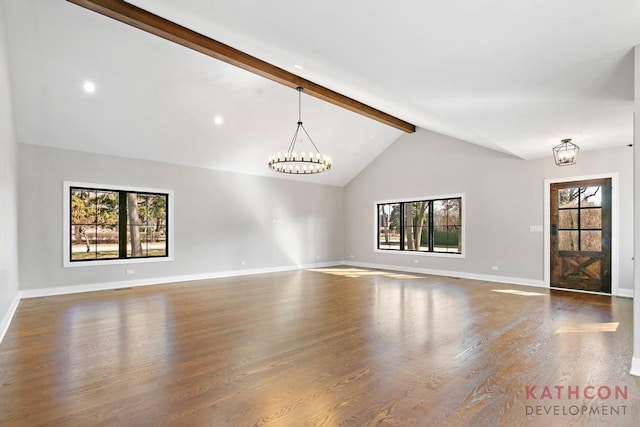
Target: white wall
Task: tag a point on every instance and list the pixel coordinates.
(8, 191)
(635, 365)
(504, 197)
(221, 218)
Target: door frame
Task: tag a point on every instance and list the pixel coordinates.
(614, 228)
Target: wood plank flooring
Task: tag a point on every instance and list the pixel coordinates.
(330, 347)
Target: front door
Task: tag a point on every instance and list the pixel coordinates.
(581, 235)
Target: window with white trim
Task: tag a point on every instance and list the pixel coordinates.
(427, 225)
(106, 224)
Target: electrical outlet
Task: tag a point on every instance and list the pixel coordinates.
(131, 271)
(243, 262)
(495, 268)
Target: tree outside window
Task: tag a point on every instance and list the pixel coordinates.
(421, 226)
(114, 224)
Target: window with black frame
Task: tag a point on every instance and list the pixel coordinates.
(421, 226)
(108, 224)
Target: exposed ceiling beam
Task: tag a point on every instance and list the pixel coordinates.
(156, 25)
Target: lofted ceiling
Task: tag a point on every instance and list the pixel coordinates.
(516, 77)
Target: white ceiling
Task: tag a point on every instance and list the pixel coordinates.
(514, 76)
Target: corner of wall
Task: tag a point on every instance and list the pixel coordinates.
(8, 317)
(9, 295)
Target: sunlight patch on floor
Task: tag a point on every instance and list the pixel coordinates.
(517, 292)
(588, 327)
(359, 272)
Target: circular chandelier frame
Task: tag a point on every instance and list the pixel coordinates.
(303, 163)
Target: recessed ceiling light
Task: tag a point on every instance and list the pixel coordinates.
(299, 67)
(89, 87)
(218, 120)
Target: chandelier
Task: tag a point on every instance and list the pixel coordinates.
(566, 153)
(300, 163)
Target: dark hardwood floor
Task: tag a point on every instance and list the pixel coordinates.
(330, 347)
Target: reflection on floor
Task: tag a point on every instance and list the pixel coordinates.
(325, 347)
(360, 272)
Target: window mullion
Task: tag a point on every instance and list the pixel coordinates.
(402, 248)
(122, 224)
(431, 230)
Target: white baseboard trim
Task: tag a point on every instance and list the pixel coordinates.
(628, 293)
(580, 291)
(456, 274)
(63, 290)
(8, 317)
(635, 366)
